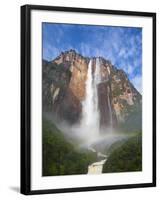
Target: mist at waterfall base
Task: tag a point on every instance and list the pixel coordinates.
(87, 133)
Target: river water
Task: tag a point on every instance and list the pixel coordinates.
(97, 167)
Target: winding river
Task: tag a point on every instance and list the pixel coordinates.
(97, 167)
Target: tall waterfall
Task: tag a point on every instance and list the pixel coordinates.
(110, 109)
(97, 75)
(90, 110)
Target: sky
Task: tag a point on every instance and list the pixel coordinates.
(121, 45)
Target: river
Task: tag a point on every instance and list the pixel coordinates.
(97, 167)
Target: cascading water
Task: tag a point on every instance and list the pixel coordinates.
(97, 74)
(90, 111)
(110, 109)
(90, 122)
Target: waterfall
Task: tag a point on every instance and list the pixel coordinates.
(110, 109)
(90, 110)
(90, 121)
(96, 81)
(97, 74)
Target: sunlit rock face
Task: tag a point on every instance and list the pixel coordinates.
(77, 65)
(64, 89)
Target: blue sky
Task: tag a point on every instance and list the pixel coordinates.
(121, 45)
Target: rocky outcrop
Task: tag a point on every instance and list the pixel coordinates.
(64, 89)
(124, 95)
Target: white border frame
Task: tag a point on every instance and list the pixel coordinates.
(43, 183)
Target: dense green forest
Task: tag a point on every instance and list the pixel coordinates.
(127, 157)
(60, 156)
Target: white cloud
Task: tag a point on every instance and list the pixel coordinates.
(137, 82)
(50, 52)
(130, 69)
(122, 52)
(85, 49)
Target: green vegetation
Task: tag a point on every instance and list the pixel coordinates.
(59, 156)
(117, 91)
(133, 121)
(125, 158)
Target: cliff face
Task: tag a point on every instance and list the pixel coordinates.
(67, 86)
(64, 89)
